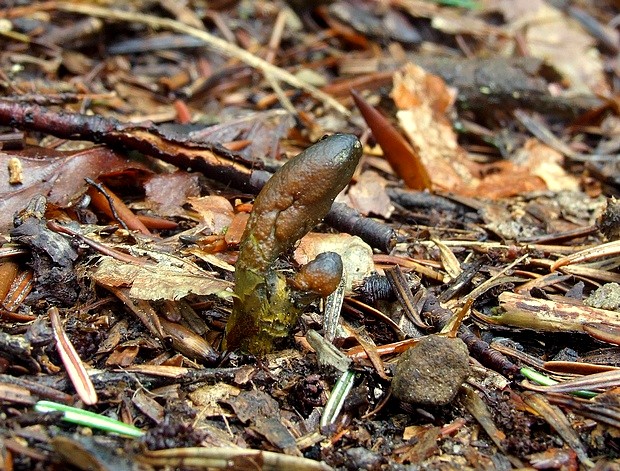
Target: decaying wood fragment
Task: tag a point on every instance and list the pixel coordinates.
(549, 315)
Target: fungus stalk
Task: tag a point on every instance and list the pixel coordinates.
(292, 202)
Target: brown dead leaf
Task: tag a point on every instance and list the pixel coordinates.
(368, 195)
(263, 130)
(149, 406)
(236, 228)
(536, 166)
(403, 158)
(171, 278)
(451, 21)
(166, 193)
(424, 447)
(423, 100)
(214, 211)
(512, 10)
(558, 39)
(123, 356)
(57, 175)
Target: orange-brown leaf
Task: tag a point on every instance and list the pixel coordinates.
(399, 153)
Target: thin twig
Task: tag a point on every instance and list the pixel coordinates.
(399, 284)
(99, 187)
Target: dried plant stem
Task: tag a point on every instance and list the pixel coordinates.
(75, 368)
(217, 44)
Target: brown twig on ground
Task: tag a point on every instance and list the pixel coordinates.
(213, 160)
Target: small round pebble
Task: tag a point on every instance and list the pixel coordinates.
(432, 371)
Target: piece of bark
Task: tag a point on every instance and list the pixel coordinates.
(500, 83)
(213, 160)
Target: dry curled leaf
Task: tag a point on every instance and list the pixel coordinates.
(165, 280)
